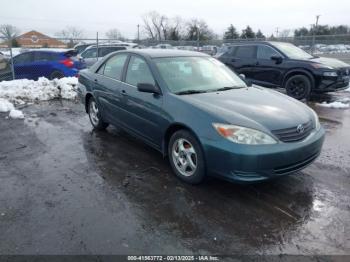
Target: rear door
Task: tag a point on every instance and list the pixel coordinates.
(243, 60)
(108, 88)
(42, 64)
(23, 66)
(268, 72)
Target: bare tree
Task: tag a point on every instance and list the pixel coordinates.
(71, 32)
(155, 25)
(114, 34)
(284, 33)
(8, 32)
(195, 27)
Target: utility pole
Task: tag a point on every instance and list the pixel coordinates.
(197, 38)
(277, 32)
(314, 34)
(138, 33)
(96, 45)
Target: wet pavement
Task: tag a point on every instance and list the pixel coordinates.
(66, 189)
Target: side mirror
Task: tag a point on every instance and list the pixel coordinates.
(148, 88)
(246, 81)
(278, 59)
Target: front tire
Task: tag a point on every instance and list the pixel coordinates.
(298, 86)
(95, 115)
(186, 157)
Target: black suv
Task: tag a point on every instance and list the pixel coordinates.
(277, 64)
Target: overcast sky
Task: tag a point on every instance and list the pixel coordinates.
(100, 15)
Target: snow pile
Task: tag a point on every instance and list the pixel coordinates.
(19, 92)
(16, 114)
(41, 90)
(6, 106)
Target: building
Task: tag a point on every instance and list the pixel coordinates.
(34, 39)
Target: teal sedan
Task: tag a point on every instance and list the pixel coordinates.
(207, 120)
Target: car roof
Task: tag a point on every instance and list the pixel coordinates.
(157, 53)
(254, 43)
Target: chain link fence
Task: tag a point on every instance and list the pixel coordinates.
(19, 58)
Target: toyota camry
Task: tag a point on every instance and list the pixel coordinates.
(206, 119)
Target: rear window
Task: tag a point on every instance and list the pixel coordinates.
(103, 51)
(246, 51)
(71, 53)
(43, 56)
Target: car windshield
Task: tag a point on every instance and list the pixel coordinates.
(292, 51)
(196, 74)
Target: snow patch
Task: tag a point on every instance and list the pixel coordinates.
(41, 90)
(336, 104)
(16, 114)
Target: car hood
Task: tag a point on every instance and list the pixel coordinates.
(332, 62)
(253, 107)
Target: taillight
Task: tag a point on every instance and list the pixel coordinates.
(67, 62)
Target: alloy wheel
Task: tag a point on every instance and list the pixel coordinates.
(184, 157)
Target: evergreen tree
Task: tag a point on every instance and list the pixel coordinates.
(248, 33)
(231, 33)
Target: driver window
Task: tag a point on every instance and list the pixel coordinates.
(138, 72)
(265, 52)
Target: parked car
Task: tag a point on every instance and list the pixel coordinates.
(81, 47)
(164, 46)
(195, 110)
(49, 64)
(5, 69)
(209, 49)
(90, 54)
(277, 64)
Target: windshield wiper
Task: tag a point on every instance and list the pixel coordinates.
(189, 92)
(226, 88)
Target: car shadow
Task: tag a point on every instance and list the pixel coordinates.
(216, 216)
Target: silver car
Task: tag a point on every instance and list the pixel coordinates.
(90, 55)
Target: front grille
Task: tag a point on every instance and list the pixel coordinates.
(292, 134)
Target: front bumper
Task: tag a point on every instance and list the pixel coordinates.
(252, 163)
(330, 84)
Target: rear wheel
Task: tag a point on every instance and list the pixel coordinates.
(186, 157)
(298, 86)
(56, 74)
(95, 116)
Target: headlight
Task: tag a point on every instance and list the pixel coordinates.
(317, 65)
(330, 74)
(243, 135)
(316, 120)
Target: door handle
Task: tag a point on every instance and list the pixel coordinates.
(96, 81)
(123, 92)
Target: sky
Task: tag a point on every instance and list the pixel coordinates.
(93, 16)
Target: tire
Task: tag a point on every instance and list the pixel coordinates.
(298, 86)
(186, 157)
(95, 116)
(56, 74)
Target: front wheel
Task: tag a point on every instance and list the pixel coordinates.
(186, 157)
(298, 86)
(95, 116)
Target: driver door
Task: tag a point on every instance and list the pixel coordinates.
(145, 113)
(268, 72)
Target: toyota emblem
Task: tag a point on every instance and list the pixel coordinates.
(300, 129)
